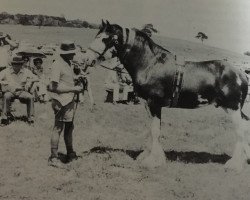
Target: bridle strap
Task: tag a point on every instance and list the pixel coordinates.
(100, 54)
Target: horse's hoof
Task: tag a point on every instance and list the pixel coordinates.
(233, 165)
(142, 155)
(151, 162)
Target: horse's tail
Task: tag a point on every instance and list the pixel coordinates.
(244, 116)
(244, 92)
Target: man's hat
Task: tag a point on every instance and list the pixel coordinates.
(67, 47)
(17, 60)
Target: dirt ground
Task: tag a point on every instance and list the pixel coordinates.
(197, 143)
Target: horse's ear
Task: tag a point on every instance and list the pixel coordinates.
(108, 24)
(103, 23)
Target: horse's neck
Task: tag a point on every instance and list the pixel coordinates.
(141, 56)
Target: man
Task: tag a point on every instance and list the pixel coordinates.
(117, 80)
(6, 46)
(63, 102)
(16, 82)
(148, 29)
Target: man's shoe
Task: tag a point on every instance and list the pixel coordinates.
(10, 117)
(55, 162)
(72, 156)
(4, 122)
(30, 120)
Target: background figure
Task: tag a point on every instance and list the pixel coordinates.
(26, 63)
(39, 89)
(6, 47)
(148, 29)
(118, 80)
(82, 78)
(16, 82)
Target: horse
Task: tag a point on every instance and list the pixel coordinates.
(161, 81)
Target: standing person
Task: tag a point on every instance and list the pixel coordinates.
(63, 102)
(6, 46)
(16, 82)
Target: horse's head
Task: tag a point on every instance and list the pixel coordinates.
(106, 43)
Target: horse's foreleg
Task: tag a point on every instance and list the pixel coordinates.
(156, 156)
(242, 150)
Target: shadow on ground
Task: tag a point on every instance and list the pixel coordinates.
(185, 157)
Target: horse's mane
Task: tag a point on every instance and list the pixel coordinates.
(155, 48)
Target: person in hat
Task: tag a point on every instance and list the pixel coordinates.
(63, 93)
(39, 88)
(148, 29)
(15, 83)
(26, 63)
(6, 47)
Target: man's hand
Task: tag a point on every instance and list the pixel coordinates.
(77, 89)
(27, 86)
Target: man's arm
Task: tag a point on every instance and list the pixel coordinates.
(54, 87)
(11, 43)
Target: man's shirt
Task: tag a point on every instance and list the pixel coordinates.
(4, 56)
(63, 74)
(17, 80)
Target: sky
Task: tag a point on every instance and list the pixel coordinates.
(225, 22)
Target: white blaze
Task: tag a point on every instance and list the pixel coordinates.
(98, 44)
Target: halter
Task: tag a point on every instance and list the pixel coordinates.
(101, 55)
(128, 40)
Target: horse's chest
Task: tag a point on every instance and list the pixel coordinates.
(153, 83)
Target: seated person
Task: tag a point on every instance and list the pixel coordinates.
(15, 82)
(119, 80)
(39, 89)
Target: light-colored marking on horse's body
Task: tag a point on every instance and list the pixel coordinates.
(238, 80)
(225, 89)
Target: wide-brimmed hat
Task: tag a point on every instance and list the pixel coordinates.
(17, 60)
(67, 47)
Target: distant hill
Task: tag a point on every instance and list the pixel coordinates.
(193, 51)
(44, 20)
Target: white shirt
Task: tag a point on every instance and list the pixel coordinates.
(4, 56)
(63, 74)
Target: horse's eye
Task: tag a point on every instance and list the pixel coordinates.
(105, 40)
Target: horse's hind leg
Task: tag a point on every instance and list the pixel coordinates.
(242, 150)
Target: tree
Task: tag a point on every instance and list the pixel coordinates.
(202, 36)
(247, 53)
(40, 21)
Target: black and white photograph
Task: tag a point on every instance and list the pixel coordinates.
(124, 99)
